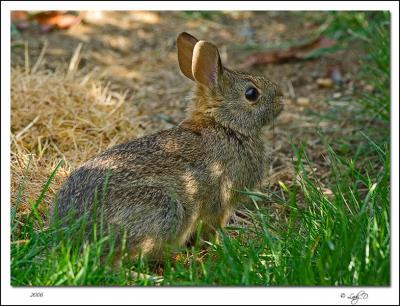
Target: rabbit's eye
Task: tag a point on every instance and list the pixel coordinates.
(252, 94)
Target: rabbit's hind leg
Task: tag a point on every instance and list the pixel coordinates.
(214, 223)
(154, 220)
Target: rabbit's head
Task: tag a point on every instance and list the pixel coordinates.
(241, 101)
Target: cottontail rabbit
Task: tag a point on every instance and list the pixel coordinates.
(162, 185)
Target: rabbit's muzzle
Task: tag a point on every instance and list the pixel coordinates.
(278, 105)
(278, 101)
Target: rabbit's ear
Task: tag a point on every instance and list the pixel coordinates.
(185, 43)
(206, 64)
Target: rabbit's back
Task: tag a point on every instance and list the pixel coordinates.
(148, 161)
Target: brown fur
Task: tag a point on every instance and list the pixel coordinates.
(162, 185)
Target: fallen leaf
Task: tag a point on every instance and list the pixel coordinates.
(56, 19)
(20, 19)
(298, 52)
(18, 15)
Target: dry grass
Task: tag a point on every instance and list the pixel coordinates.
(63, 114)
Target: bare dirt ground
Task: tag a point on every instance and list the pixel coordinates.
(135, 54)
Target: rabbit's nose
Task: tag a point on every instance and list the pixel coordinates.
(277, 98)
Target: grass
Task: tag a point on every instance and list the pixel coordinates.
(337, 230)
(338, 239)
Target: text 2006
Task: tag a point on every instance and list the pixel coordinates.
(36, 294)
